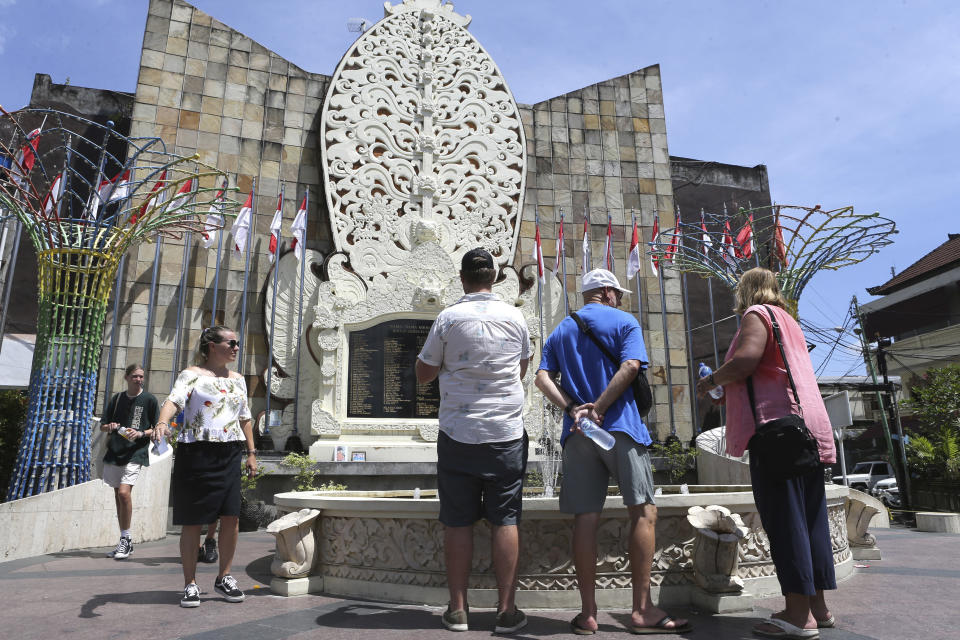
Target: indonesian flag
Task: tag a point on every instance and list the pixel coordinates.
(587, 258)
(108, 191)
(705, 240)
(275, 229)
(182, 197)
(778, 246)
(538, 256)
(214, 221)
(154, 200)
(654, 261)
(53, 196)
(608, 247)
(729, 252)
(633, 260)
(744, 247)
(299, 230)
(27, 156)
(241, 226)
(675, 243)
(558, 263)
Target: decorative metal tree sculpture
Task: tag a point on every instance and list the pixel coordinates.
(797, 242)
(84, 194)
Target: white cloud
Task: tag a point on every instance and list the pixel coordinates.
(7, 3)
(6, 33)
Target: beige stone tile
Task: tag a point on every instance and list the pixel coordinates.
(144, 112)
(236, 75)
(251, 129)
(151, 59)
(191, 101)
(187, 138)
(211, 105)
(217, 54)
(193, 84)
(169, 98)
(591, 121)
(297, 86)
(277, 82)
(253, 113)
(235, 92)
(147, 93)
(213, 88)
(195, 67)
(176, 46)
(260, 61)
(231, 126)
(150, 77)
(209, 123)
(168, 116)
(189, 119)
(233, 108)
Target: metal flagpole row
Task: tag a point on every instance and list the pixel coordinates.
(246, 275)
(689, 334)
(8, 280)
(273, 317)
(216, 271)
(114, 324)
(563, 265)
(303, 263)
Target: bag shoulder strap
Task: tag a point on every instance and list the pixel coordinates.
(775, 325)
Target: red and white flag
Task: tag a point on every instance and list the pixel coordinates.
(633, 260)
(26, 157)
(558, 263)
(299, 230)
(744, 246)
(608, 260)
(705, 242)
(538, 256)
(778, 245)
(675, 243)
(654, 237)
(729, 252)
(213, 222)
(241, 227)
(53, 196)
(587, 257)
(275, 229)
(154, 200)
(183, 195)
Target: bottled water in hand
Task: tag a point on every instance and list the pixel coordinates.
(717, 392)
(595, 432)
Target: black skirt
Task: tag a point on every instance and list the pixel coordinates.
(206, 481)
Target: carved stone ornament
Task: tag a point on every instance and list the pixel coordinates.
(716, 548)
(296, 543)
(859, 515)
(419, 125)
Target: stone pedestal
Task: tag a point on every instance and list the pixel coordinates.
(938, 522)
(296, 545)
(721, 602)
(863, 544)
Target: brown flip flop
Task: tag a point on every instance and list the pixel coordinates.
(577, 629)
(660, 627)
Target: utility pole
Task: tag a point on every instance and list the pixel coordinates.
(882, 344)
(902, 476)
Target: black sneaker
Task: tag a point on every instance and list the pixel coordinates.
(124, 549)
(227, 587)
(191, 596)
(209, 551)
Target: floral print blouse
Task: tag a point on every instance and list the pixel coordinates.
(213, 407)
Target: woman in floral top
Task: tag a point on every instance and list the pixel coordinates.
(217, 430)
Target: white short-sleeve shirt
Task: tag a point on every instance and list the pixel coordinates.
(478, 344)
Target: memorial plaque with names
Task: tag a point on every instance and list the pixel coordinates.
(380, 378)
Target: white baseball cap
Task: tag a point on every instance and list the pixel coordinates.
(599, 278)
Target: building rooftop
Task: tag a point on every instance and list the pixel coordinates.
(943, 257)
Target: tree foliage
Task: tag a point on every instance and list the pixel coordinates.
(935, 398)
(938, 456)
(13, 410)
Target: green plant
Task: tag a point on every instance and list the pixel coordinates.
(248, 483)
(13, 411)
(935, 399)
(678, 458)
(306, 476)
(330, 485)
(937, 456)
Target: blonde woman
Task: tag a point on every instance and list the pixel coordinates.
(793, 511)
(217, 432)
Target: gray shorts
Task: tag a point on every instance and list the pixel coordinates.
(587, 469)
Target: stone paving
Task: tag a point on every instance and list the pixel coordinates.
(911, 593)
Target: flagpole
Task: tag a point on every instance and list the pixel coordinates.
(689, 335)
(563, 265)
(216, 271)
(273, 314)
(8, 280)
(666, 347)
(151, 304)
(303, 263)
(246, 272)
(187, 241)
(114, 323)
(543, 338)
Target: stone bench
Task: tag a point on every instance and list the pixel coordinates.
(938, 522)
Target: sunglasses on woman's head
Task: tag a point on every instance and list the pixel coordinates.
(230, 343)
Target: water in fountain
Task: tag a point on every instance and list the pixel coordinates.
(551, 423)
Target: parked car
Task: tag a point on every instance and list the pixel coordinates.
(887, 492)
(866, 474)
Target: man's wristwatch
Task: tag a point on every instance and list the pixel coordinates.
(570, 405)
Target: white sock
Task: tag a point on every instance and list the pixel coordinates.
(124, 533)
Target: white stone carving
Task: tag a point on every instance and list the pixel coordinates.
(716, 548)
(296, 544)
(419, 125)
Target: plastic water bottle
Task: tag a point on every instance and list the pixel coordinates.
(416, 493)
(592, 430)
(717, 392)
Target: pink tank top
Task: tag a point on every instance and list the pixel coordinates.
(771, 388)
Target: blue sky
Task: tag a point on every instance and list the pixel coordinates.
(847, 103)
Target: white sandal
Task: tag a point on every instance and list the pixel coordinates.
(787, 631)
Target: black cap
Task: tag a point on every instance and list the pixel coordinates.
(476, 259)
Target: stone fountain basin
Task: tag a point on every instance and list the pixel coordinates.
(388, 547)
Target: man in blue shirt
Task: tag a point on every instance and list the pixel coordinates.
(591, 385)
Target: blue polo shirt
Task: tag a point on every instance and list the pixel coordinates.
(585, 372)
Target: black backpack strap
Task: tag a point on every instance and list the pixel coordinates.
(783, 355)
(589, 332)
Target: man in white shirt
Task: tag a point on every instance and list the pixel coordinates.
(479, 347)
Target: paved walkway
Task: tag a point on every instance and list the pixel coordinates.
(912, 593)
